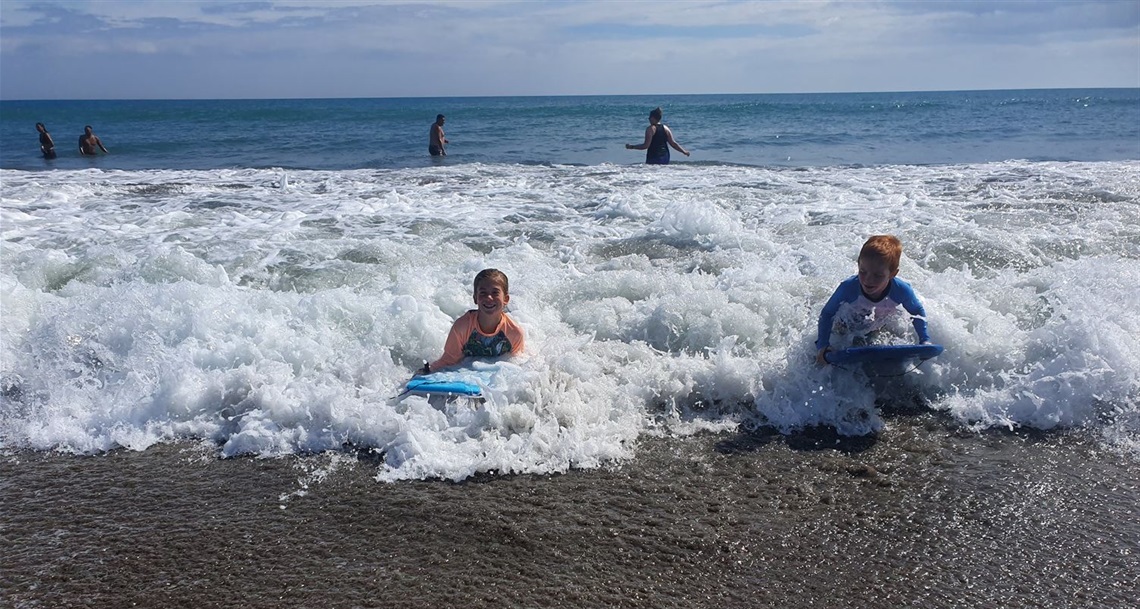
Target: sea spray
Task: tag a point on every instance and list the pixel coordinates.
(272, 321)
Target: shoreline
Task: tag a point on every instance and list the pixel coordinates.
(926, 514)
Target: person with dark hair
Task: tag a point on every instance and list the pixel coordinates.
(436, 141)
(88, 142)
(486, 331)
(47, 145)
(658, 139)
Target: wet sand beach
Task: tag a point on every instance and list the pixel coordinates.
(923, 515)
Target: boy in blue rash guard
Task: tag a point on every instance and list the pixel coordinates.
(874, 294)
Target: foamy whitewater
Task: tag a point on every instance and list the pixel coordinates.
(265, 312)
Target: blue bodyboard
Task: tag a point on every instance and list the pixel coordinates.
(882, 353)
(462, 382)
(425, 384)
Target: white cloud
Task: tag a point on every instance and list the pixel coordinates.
(316, 48)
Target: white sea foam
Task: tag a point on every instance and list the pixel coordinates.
(140, 307)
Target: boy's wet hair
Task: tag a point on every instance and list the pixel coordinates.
(887, 248)
(494, 276)
(655, 113)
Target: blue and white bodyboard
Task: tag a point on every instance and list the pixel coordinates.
(465, 382)
(432, 386)
(882, 353)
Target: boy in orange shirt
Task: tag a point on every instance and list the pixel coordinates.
(486, 331)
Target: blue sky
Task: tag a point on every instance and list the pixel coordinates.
(108, 49)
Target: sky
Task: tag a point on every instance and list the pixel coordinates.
(186, 49)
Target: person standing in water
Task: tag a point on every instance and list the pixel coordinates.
(47, 145)
(88, 142)
(436, 141)
(658, 139)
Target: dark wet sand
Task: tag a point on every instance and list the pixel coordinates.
(922, 516)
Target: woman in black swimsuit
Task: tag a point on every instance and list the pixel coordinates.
(658, 139)
(47, 146)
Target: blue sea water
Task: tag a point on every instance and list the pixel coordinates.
(762, 130)
(263, 276)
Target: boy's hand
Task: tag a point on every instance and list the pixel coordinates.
(819, 357)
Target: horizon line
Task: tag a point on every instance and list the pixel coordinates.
(982, 90)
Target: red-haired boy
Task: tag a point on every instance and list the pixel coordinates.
(873, 295)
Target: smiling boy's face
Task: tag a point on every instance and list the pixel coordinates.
(875, 276)
(491, 298)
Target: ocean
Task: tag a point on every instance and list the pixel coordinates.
(203, 333)
(800, 130)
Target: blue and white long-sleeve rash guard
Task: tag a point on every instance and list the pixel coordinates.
(872, 314)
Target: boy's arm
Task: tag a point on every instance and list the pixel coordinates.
(826, 318)
(909, 301)
(516, 335)
(453, 347)
(823, 333)
(841, 295)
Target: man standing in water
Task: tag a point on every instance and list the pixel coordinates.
(89, 141)
(436, 140)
